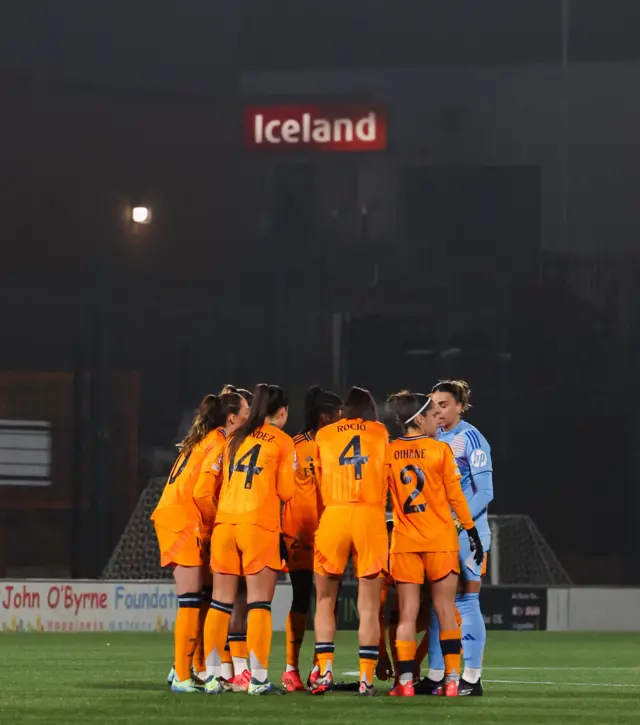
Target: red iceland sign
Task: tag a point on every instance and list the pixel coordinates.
(343, 127)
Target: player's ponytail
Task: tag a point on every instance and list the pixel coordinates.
(267, 401)
(360, 404)
(318, 402)
(459, 389)
(207, 418)
(407, 407)
(212, 413)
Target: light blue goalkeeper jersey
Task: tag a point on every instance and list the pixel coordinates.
(473, 456)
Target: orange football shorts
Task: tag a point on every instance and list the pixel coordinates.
(352, 528)
(300, 553)
(411, 567)
(180, 548)
(244, 549)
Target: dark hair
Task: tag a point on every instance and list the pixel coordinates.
(360, 404)
(317, 402)
(241, 391)
(459, 389)
(267, 401)
(212, 413)
(406, 406)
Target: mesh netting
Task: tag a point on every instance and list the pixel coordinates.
(521, 555)
(136, 555)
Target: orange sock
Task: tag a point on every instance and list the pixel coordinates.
(423, 649)
(368, 659)
(324, 654)
(296, 626)
(451, 644)
(199, 664)
(238, 648)
(406, 660)
(185, 633)
(259, 632)
(215, 636)
(458, 618)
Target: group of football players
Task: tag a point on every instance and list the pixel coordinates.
(245, 500)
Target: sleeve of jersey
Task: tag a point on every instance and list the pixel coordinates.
(478, 455)
(456, 498)
(286, 481)
(204, 492)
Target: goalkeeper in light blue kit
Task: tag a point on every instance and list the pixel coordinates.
(473, 456)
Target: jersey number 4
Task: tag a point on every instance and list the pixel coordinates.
(418, 482)
(357, 460)
(248, 465)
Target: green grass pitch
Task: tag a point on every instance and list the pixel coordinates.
(531, 678)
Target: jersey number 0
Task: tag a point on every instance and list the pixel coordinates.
(248, 465)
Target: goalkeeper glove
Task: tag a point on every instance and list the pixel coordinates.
(476, 545)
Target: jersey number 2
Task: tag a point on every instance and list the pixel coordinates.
(407, 479)
(248, 464)
(357, 460)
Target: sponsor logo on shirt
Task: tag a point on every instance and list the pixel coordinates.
(478, 458)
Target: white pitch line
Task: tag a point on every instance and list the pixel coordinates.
(559, 684)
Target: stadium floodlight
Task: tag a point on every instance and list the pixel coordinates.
(141, 215)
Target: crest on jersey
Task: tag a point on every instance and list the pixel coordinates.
(478, 458)
(217, 465)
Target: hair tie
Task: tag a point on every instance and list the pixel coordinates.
(417, 413)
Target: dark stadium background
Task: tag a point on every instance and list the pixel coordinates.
(496, 238)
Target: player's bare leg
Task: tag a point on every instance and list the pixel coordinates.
(369, 589)
(409, 607)
(327, 588)
(189, 590)
(443, 594)
(261, 588)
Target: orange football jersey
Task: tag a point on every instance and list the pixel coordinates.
(425, 485)
(206, 489)
(351, 468)
(301, 514)
(260, 476)
(187, 497)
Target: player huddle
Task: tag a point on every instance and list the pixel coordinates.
(244, 499)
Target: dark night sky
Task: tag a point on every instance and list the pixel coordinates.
(194, 46)
(151, 44)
